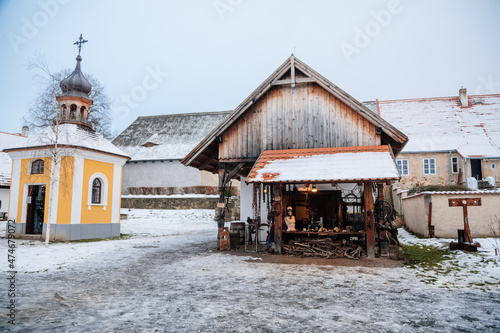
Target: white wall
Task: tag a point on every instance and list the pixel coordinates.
(447, 220)
(246, 210)
(246, 200)
(159, 174)
(4, 197)
(246, 192)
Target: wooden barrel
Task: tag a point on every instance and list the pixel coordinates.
(238, 227)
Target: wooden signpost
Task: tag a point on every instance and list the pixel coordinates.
(464, 202)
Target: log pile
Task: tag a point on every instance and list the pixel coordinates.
(323, 248)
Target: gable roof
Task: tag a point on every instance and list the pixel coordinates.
(8, 140)
(442, 124)
(69, 135)
(166, 137)
(208, 145)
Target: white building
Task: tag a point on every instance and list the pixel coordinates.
(8, 140)
(157, 144)
(453, 140)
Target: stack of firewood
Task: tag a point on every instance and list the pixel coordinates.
(323, 247)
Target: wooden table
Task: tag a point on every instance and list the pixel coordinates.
(325, 233)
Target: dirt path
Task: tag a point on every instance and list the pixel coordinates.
(169, 288)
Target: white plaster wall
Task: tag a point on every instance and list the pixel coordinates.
(159, 174)
(4, 197)
(246, 210)
(209, 179)
(416, 215)
(246, 191)
(447, 220)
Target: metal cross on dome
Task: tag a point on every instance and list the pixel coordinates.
(79, 42)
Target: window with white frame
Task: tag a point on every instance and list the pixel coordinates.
(429, 166)
(454, 164)
(37, 167)
(98, 191)
(403, 167)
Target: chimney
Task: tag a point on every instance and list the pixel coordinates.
(462, 96)
(25, 131)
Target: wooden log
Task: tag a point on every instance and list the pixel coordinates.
(278, 222)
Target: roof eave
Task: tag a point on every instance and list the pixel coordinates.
(64, 146)
(324, 181)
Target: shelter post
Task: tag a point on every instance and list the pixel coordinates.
(220, 205)
(368, 216)
(380, 191)
(278, 221)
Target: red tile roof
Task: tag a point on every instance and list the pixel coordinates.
(333, 169)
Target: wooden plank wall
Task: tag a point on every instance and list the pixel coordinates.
(303, 117)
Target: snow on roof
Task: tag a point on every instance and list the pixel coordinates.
(439, 124)
(71, 135)
(455, 192)
(8, 140)
(170, 136)
(325, 165)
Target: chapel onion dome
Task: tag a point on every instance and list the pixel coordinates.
(76, 84)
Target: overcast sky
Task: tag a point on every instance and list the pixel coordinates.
(164, 57)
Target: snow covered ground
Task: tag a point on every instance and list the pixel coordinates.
(166, 277)
(479, 270)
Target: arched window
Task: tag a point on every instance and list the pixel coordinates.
(37, 167)
(83, 114)
(96, 191)
(64, 112)
(73, 111)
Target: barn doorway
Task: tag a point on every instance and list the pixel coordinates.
(35, 209)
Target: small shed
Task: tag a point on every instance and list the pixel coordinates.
(303, 141)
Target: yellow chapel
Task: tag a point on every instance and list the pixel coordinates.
(79, 166)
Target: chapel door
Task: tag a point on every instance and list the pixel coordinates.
(35, 209)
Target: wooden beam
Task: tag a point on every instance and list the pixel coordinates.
(293, 70)
(369, 223)
(278, 220)
(238, 160)
(233, 172)
(208, 160)
(297, 80)
(380, 191)
(220, 210)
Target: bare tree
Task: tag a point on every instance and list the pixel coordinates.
(45, 113)
(41, 113)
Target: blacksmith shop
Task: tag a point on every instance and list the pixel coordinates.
(312, 162)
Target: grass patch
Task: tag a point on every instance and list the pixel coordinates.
(425, 256)
(121, 237)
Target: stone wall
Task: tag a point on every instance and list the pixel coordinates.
(209, 190)
(169, 203)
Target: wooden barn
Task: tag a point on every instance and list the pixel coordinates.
(299, 141)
